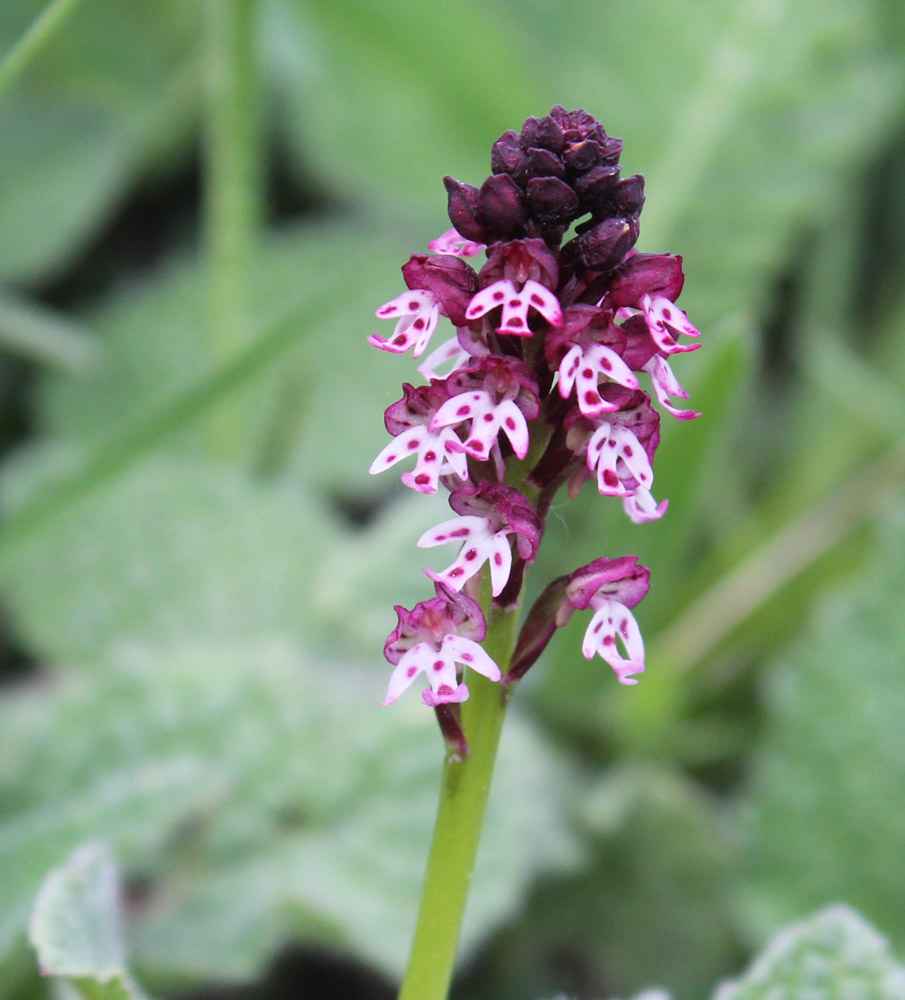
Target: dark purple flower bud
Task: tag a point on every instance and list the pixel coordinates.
(451, 280)
(507, 155)
(501, 207)
(607, 243)
(629, 195)
(543, 163)
(463, 211)
(548, 134)
(551, 200)
(581, 156)
(595, 188)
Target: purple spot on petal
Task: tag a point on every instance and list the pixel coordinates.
(587, 373)
(488, 418)
(438, 664)
(467, 658)
(610, 478)
(422, 479)
(413, 445)
(430, 456)
(498, 296)
(498, 559)
(537, 300)
(471, 554)
(606, 365)
(609, 640)
(510, 423)
(627, 450)
(591, 397)
(418, 324)
(414, 306)
(463, 411)
(458, 571)
(411, 672)
(516, 321)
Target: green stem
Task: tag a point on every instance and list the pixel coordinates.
(233, 191)
(41, 30)
(457, 832)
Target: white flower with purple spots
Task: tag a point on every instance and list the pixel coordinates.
(666, 322)
(582, 367)
(417, 312)
(491, 513)
(665, 384)
(515, 304)
(488, 418)
(454, 244)
(610, 587)
(434, 639)
(617, 457)
(437, 453)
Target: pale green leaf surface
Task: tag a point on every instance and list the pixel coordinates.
(171, 550)
(102, 103)
(305, 809)
(824, 814)
(75, 926)
(834, 955)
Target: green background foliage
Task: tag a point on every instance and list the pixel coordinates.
(192, 631)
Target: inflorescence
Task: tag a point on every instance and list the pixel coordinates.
(541, 390)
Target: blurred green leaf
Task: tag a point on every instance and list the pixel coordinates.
(171, 550)
(829, 770)
(254, 798)
(104, 102)
(834, 954)
(75, 926)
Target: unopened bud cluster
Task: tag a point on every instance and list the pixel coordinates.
(541, 390)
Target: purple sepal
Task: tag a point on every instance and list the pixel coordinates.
(416, 408)
(504, 507)
(451, 280)
(520, 261)
(577, 320)
(645, 274)
(505, 377)
(449, 613)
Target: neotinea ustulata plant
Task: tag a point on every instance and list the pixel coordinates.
(543, 391)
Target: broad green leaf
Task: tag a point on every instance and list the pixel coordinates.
(834, 954)
(255, 797)
(823, 814)
(75, 926)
